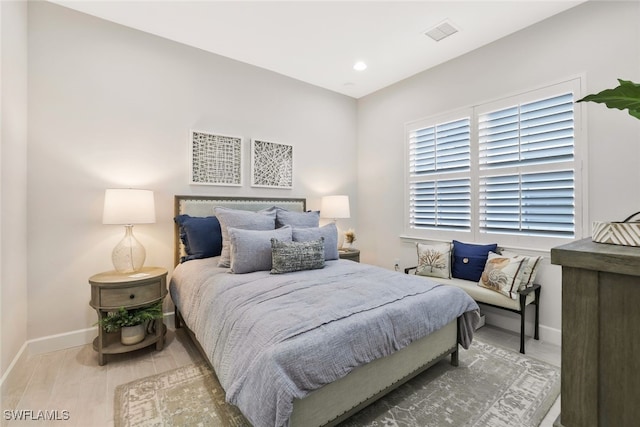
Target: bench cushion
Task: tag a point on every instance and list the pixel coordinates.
(485, 295)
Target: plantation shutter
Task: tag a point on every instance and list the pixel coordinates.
(440, 185)
(539, 204)
(533, 133)
(525, 186)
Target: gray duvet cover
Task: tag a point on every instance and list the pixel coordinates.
(273, 338)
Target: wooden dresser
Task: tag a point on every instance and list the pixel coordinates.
(600, 334)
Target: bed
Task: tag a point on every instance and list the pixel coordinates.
(312, 347)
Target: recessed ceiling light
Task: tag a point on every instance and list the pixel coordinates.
(360, 66)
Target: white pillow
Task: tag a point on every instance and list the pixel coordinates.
(434, 260)
(502, 274)
(530, 266)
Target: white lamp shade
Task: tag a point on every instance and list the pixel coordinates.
(335, 207)
(128, 206)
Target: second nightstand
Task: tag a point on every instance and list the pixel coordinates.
(351, 254)
(112, 290)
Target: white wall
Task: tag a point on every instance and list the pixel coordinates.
(598, 39)
(112, 107)
(13, 181)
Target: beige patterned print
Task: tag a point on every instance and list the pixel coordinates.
(493, 277)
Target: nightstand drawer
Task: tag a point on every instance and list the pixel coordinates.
(130, 296)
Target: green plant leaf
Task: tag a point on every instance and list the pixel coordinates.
(115, 320)
(624, 97)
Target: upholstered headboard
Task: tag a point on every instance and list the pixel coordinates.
(202, 206)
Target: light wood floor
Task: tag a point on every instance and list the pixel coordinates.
(71, 379)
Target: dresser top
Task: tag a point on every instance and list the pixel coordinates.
(590, 255)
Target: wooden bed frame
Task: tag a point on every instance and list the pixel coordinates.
(335, 402)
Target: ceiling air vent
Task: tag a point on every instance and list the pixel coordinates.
(442, 30)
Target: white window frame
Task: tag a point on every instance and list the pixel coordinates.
(574, 85)
(409, 180)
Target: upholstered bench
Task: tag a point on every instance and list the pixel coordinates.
(490, 275)
(530, 295)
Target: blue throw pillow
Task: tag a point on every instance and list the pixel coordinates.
(469, 260)
(201, 236)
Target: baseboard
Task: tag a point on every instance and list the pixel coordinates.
(511, 322)
(170, 320)
(61, 341)
(482, 321)
(21, 353)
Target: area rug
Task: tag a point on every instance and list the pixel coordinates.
(492, 386)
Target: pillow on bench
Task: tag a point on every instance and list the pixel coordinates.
(434, 260)
(530, 266)
(502, 274)
(469, 260)
(487, 266)
(508, 273)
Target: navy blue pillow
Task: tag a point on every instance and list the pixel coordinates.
(469, 260)
(201, 236)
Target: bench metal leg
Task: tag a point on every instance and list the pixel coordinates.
(537, 301)
(523, 306)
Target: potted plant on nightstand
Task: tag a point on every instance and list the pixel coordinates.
(131, 323)
(349, 238)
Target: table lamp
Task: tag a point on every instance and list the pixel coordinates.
(128, 206)
(335, 207)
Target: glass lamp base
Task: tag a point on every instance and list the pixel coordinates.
(128, 255)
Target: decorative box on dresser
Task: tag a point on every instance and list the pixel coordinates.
(111, 290)
(600, 325)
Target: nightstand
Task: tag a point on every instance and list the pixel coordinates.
(111, 290)
(351, 254)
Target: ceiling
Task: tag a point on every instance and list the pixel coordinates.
(318, 42)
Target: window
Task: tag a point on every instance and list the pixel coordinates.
(516, 195)
(508, 167)
(440, 187)
(529, 204)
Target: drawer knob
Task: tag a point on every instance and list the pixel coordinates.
(132, 296)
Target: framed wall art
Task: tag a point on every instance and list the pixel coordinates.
(215, 159)
(271, 164)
